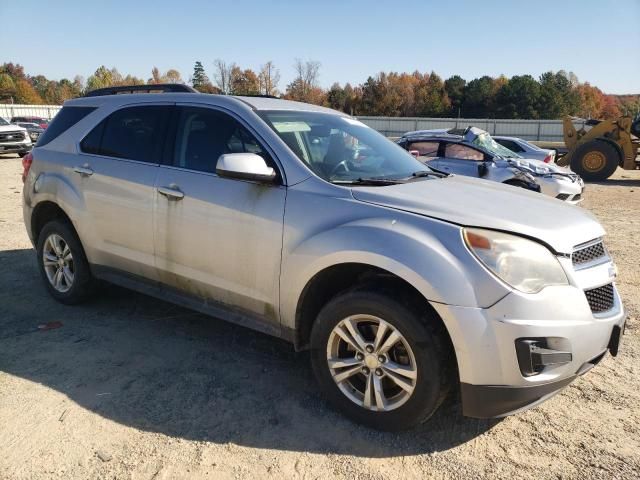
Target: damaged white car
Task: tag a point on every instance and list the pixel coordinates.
(472, 152)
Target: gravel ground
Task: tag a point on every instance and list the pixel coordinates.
(131, 387)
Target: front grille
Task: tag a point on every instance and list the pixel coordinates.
(577, 197)
(11, 136)
(562, 196)
(600, 299)
(588, 254)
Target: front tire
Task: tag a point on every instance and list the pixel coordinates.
(63, 264)
(380, 361)
(595, 160)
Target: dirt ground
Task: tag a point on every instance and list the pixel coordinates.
(131, 387)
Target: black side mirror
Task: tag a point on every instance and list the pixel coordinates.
(482, 169)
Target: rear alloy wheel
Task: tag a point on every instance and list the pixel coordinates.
(57, 260)
(63, 264)
(381, 359)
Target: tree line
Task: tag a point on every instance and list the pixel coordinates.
(550, 96)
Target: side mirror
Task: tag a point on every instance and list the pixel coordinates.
(415, 153)
(245, 166)
(482, 169)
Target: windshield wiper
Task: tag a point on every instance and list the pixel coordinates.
(368, 181)
(429, 173)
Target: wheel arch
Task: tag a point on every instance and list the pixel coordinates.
(44, 212)
(336, 279)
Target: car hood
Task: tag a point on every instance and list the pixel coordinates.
(536, 167)
(12, 128)
(484, 204)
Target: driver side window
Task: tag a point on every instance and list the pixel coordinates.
(462, 152)
(203, 134)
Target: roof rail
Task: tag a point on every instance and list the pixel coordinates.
(257, 95)
(156, 88)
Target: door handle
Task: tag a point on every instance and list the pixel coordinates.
(172, 192)
(84, 170)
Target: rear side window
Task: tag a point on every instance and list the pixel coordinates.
(462, 152)
(63, 121)
(133, 133)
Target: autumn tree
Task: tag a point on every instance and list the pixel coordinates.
(222, 75)
(304, 87)
(243, 82)
(269, 78)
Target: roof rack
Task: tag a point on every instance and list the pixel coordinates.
(157, 88)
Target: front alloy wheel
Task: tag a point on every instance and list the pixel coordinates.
(371, 363)
(382, 357)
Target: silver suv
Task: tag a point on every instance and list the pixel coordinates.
(303, 223)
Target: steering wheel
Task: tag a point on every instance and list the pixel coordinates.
(343, 164)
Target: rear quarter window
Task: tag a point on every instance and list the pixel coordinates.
(63, 121)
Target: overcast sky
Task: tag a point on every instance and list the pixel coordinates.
(597, 40)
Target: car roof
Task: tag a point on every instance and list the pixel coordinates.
(255, 103)
(503, 137)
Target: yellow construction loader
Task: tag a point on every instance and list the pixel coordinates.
(594, 153)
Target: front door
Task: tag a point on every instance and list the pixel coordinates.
(218, 239)
(461, 160)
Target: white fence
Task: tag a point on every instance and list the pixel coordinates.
(547, 130)
(45, 111)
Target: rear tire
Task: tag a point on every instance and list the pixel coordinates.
(595, 160)
(63, 263)
(421, 353)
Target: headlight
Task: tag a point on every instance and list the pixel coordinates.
(525, 265)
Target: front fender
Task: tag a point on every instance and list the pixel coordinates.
(426, 253)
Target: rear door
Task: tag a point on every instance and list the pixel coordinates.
(461, 159)
(116, 172)
(219, 239)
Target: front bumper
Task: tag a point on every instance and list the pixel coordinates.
(562, 188)
(492, 383)
(23, 147)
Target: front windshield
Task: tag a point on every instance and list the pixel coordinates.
(341, 149)
(485, 142)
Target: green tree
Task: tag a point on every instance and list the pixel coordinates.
(558, 97)
(518, 98)
(454, 86)
(479, 98)
(7, 87)
(199, 79)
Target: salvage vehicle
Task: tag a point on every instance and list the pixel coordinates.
(525, 149)
(14, 139)
(405, 284)
(473, 152)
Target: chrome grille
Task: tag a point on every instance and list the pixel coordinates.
(12, 136)
(588, 254)
(600, 299)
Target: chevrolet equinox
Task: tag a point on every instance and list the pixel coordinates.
(405, 284)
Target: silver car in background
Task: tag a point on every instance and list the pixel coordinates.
(301, 222)
(526, 149)
(474, 153)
